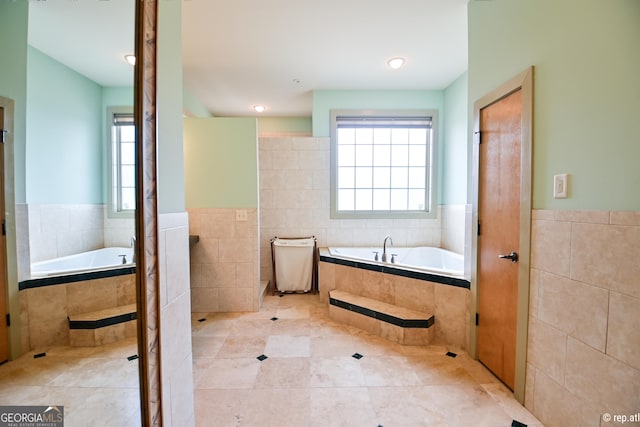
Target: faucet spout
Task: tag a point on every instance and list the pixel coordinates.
(384, 248)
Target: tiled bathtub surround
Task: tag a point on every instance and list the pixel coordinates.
(45, 310)
(60, 230)
(294, 202)
(22, 242)
(584, 329)
(224, 262)
(454, 220)
(118, 231)
(397, 324)
(449, 304)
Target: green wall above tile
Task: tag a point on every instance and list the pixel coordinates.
(326, 100)
(221, 158)
(13, 80)
(284, 126)
(454, 150)
(64, 154)
(169, 108)
(586, 91)
(192, 106)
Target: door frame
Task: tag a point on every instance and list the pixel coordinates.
(146, 215)
(523, 82)
(13, 297)
(5, 354)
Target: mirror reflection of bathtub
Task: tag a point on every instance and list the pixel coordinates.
(93, 289)
(99, 259)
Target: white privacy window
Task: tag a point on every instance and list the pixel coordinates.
(123, 165)
(382, 165)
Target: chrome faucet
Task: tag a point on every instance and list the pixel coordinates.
(133, 246)
(384, 248)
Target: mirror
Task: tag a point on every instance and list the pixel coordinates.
(76, 265)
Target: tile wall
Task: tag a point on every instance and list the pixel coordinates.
(175, 312)
(59, 230)
(294, 202)
(224, 262)
(118, 231)
(22, 242)
(584, 327)
(454, 220)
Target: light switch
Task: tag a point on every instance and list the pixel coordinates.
(560, 186)
(241, 215)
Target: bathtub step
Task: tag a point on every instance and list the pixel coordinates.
(102, 326)
(398, 324)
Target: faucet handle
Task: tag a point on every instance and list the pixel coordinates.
(375, 258)
(393, 258)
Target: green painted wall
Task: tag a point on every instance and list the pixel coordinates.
(13, 80)
(169, 108)
(192, 106)
(586, 91)
(117, 96)
(454, 149)
(326, 100)
(222, 159)
(64, 152)
(285, 125)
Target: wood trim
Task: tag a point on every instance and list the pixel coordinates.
(5, 346)
(523, 81)
(147, 279)
(11, 259)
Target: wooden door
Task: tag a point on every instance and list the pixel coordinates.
(499, 234)
(4, 328)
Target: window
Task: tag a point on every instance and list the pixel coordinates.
(382, 164)
(122, 176)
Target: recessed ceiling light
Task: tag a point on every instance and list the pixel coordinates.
(259, 108)
(131, 59)
(396, 63)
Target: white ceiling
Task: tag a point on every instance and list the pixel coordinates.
(237, 53)
(89, 36)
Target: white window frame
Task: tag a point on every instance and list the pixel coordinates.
(114, 209)
(430, 208)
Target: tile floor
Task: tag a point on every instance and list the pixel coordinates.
(98, 386)
(309, 378)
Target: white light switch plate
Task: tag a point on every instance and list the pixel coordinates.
(241, 215)
(560, 186)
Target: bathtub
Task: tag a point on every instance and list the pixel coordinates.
(422, 258)
(99, 259)
(425, 279)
